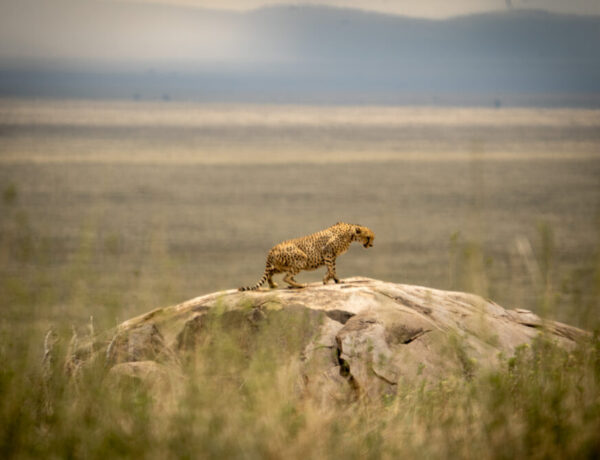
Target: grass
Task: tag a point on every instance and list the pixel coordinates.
(172, 232)
(91, 243)
(238, 397)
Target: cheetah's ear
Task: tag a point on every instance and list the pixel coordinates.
(357, 230)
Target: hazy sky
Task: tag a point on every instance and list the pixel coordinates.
(423, 8)
(136, 30)
(174, 50)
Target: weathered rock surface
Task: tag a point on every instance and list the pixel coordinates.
(366, 336)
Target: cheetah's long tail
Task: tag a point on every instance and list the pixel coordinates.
(257, 285)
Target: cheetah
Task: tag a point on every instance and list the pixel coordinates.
(311, 252)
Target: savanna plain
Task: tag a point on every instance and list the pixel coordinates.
(112, 208)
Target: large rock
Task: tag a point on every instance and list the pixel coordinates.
(361, 338)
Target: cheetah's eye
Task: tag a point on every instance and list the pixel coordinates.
(358, 231)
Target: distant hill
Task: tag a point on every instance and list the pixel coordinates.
(293, 54)
(320, 32)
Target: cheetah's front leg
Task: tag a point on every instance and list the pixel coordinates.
(330, 263)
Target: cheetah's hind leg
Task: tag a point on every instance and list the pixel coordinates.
(289, 278)
(272, 284)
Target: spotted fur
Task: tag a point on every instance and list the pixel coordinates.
(311, 252)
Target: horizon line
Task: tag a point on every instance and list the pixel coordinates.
(375, 12)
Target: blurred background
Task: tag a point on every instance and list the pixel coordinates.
(151, 152)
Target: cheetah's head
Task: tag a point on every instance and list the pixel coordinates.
(364, 235)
